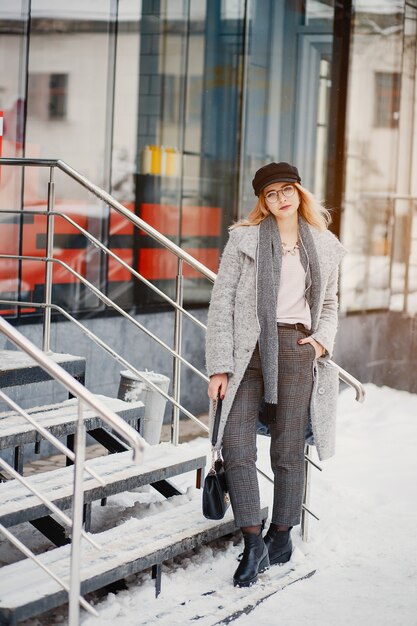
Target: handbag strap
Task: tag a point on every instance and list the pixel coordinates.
(216, 423)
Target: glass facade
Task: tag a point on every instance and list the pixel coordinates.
(378, 221)
(287, 91)
(172, 105)
(13, 70)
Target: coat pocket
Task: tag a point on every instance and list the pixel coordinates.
(324, 408)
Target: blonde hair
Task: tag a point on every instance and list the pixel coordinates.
(311, 210)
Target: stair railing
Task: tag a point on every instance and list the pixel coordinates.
(49, 260)
(78, 457)
(182, 256)
(115, 355)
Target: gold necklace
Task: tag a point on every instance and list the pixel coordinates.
(286, 250)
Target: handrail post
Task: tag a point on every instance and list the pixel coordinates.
(77, 520)
(176, 377)
(49, 268)
(306, 498)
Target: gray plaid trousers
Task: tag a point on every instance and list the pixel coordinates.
(295, 382)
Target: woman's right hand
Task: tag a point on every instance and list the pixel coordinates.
(217, 384)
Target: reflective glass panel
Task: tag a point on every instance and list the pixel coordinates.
(122, 236)
(377, 250)
(287, 91)
(13, 50)
(188, 137)
(69, 112)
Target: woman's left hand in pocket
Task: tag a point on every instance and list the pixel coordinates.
(319, 349)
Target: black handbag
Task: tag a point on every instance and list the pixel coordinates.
(215, 496)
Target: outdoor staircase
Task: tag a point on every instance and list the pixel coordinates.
(137, 544)
(41, 582)
(134, 546)
(118, 470)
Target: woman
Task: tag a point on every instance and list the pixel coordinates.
(271, 328)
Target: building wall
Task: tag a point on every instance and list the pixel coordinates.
(380, 348)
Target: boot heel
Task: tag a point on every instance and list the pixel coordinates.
(287, 557)
(283, 558)
(279, 545)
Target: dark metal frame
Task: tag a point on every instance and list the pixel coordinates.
(338, 107)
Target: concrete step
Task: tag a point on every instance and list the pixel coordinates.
(138, 544)
(59, 419)
(18, 368)
(118, 470)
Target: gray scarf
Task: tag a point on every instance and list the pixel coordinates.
(268, 279)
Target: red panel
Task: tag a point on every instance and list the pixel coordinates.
(202, 221)
(9, 238)
(197, 221)
(154, 263)
(33, 273)
(157, 264)
(208, 256)
(117, 272)
(119, 225)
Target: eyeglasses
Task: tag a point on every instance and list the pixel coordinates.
(287, 192)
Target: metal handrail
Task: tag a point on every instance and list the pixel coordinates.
(108, 301)
(153, 233)
(98, 244)
(182, 257)
(117, 206)
(50, 505)
(75, 388)
(47, 435)
(350, 380)
(25, 550)
(102, 344)
(111, 419)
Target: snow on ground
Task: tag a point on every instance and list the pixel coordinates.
(364, 548)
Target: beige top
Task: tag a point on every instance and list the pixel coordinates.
(292, 306)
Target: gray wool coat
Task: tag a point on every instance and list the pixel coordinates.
(233, 327)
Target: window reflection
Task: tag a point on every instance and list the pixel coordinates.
(68, 112)
(173, 105)
(387, 99)
(13, 42)
(188, 115)
(318, 10)
(372, 156)
(287, 91)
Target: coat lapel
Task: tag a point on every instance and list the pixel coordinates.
(320, 249)
(248, 242)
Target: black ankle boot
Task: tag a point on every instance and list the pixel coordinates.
(279, 545)
(254, 560)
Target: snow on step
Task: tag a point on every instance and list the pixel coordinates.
(18, 368)
(119, 471)
(15, 359)
(15, 430)
(131, 547)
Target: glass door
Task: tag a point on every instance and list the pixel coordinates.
(14, 19)
(287, 91)
(374, 222)
(188, 137)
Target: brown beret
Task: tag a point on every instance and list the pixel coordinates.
(275, 173)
